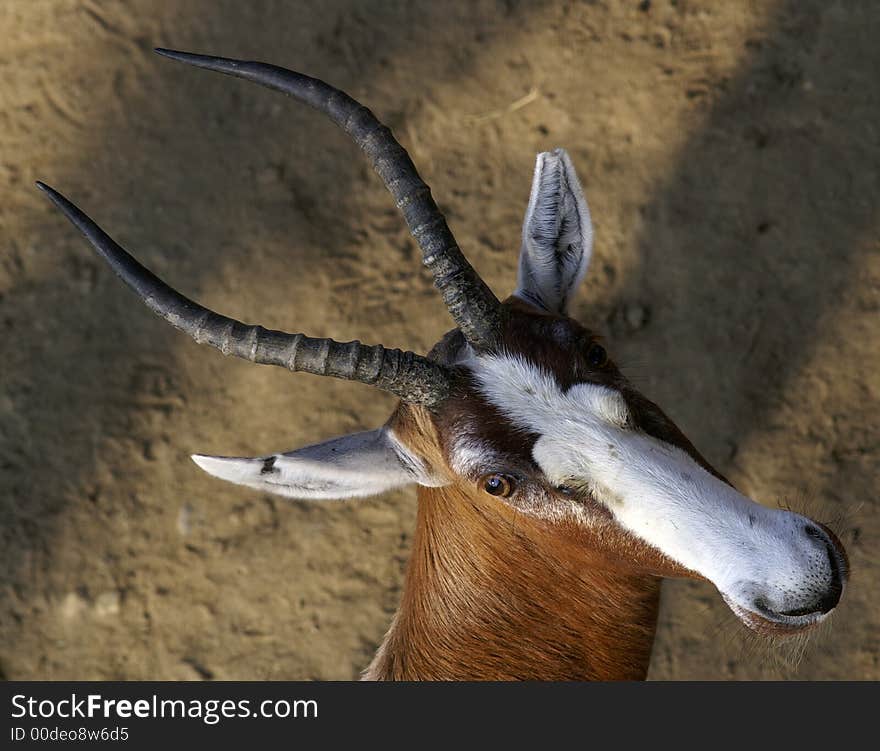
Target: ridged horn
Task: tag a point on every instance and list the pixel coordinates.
(411, 377)
(473, 306)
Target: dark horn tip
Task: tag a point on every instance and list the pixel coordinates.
(94, 234)
(165, 52)
(199, 61)
(184, 57)
(53, 195)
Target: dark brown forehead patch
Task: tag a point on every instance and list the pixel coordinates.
(554, 343)
(469, 418)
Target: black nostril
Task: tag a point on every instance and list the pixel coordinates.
(814, 532)
(835, 590)
(830, 600)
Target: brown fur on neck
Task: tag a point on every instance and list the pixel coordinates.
(491, 594)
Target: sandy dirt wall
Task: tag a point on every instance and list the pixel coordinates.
(731, 156)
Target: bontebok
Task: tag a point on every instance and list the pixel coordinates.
(553, 496)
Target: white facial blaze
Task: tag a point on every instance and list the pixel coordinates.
(657, 491)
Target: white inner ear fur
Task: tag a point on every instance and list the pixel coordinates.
(356, 465)
(557, 235)
(656, 490)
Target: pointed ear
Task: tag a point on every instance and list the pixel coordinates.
(360, 464)
(557, 235)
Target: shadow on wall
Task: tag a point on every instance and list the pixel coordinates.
(769, 205)
(757, 226)
(755, 248)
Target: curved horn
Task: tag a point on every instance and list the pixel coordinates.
(411, 377)
(471, 303)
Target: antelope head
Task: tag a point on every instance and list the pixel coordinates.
(519, 407)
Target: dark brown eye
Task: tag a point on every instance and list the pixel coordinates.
(597, 356)
(498, 484)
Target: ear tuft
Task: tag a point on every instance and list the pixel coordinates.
(557, 235)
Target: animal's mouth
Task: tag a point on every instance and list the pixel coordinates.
(766, 622)
(757, 613)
